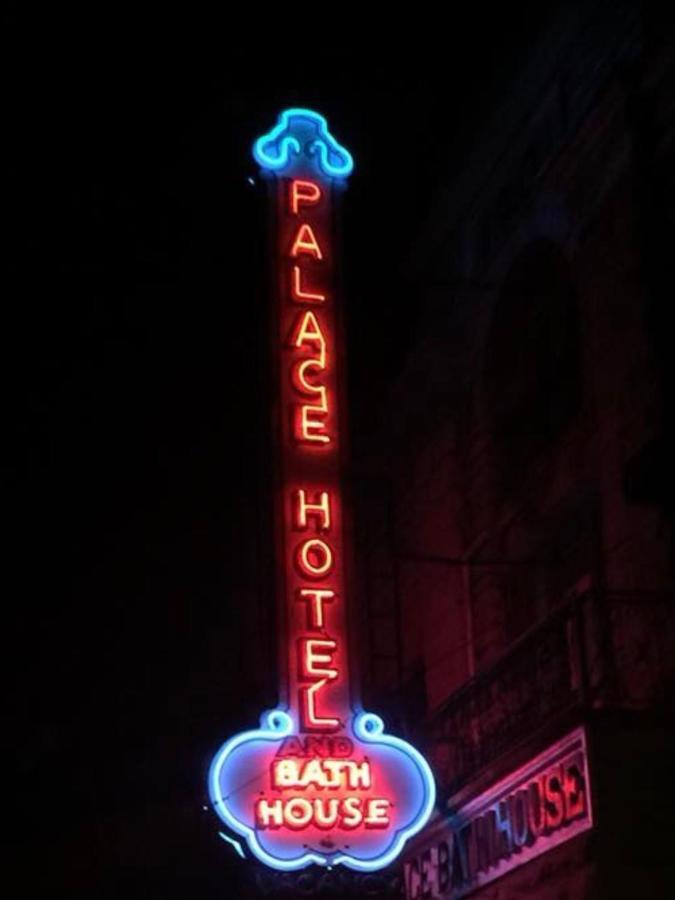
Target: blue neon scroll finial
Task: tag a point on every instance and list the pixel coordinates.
(302, 132)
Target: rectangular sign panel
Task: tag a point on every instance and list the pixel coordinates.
(542, 804)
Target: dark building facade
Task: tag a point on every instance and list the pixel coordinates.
(516, 554)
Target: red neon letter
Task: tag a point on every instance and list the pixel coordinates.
(304, 192)
(352, 815)
(298, 813)
(320, 509)
(300, 383)
(316, 598)
(284, 773)
(359, 774)
(310, 719)
(326, 812)
(299, 294)
(269, 814)
(312, 426)
(376, 813)
(307, 331)
(315, 558)
(317, 652)
(306, 242)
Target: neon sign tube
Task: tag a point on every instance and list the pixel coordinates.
(319, 782)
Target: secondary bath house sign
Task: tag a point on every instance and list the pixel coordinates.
(319, 782)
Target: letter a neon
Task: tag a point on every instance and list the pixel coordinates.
(306, 242)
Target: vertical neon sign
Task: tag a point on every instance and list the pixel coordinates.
(320, 781)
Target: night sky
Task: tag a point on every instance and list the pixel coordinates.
(137, 447)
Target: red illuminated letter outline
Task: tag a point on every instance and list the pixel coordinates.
(306, 243)
(316, 509)
(299, 291)
(304, 193)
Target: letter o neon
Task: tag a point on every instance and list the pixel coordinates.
(298, 812)
(323, 556)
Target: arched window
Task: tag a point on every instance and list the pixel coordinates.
(532, 372)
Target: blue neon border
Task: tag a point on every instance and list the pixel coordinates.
(277, 724)
(288, 144)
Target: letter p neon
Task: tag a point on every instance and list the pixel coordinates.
(304, 193)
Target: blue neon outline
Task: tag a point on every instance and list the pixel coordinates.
(281, 158)
(235, 844)
(368, 727)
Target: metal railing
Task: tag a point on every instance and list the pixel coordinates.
(600, 650)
